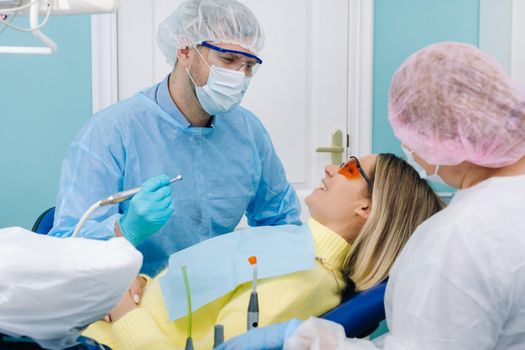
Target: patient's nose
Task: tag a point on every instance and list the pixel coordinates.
(330, 170)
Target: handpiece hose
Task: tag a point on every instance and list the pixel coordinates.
(127, 194)
(113, 199)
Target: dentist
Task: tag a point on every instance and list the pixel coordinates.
(190, 124)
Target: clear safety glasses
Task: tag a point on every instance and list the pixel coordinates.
(233, 59)
(351, 169)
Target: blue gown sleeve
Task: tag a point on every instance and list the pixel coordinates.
(275, 201)
(90, 172)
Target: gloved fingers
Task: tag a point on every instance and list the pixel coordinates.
(169, 210)
(162, 215)
(155, 216)
(148, 211)
(240, 342)
(154, 183)
(270, 337)
(156, 195)
(162, 192)
(229, 345)
(291, 327)
(163, 204)
(144, 207)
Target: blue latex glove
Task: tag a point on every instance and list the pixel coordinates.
(148, 210)
(265, 338)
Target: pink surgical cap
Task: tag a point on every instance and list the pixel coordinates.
(450, 103)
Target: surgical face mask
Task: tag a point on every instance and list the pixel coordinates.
(223, 91)
(422, 173)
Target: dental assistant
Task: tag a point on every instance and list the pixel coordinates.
(190, 124)
(459, 283)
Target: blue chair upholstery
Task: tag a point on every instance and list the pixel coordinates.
(12, 343)
(361, 314)
(44, 223)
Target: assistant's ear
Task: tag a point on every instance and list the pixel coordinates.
(183, 56)
(363, 209)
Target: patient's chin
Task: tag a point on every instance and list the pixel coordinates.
(308, 199)
(312, 201)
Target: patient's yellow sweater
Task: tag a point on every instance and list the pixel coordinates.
(297, 295)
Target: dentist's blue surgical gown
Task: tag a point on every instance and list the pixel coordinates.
(229, 169)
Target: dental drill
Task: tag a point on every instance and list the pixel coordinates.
(113, 199)
(218, 335)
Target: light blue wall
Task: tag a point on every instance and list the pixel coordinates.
(402, 27)
(44, 100)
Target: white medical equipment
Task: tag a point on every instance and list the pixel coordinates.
(10, 9)
(51, 288)
(113, 199)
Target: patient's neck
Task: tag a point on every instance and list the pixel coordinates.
(348, 230)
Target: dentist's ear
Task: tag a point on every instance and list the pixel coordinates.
(183, 56)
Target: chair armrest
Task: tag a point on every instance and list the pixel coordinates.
(361, 314)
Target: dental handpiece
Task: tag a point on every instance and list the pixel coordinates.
(218, 335)
(113, 199)
(253, 305)
(253, 311)
(127, 194)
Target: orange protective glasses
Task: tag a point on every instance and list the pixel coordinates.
(351, 170)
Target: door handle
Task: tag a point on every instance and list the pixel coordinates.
(329, 149)
(336, 149)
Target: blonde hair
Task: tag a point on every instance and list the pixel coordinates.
(401, 200)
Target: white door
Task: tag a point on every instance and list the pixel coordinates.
(315, 77)
(502, 34)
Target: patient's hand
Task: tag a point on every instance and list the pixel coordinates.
(125, 305)
(135, 290)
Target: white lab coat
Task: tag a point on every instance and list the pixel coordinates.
(458, 284)
(51, 288)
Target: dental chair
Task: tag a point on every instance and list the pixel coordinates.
(361, 314)
(44, 223)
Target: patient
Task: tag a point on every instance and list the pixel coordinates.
(361, 216)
